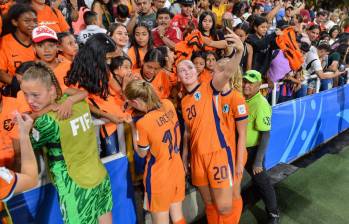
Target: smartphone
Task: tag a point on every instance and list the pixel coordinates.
(227, 23)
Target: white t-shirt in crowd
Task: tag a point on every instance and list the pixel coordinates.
(89, 31)
(312, 61)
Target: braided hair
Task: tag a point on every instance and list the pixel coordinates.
(40, 71)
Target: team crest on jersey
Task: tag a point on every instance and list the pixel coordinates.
(197, 96)
(241, 109)
(225, 108)
(8, 124)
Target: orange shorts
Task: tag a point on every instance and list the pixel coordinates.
(160, 202)
(213, 169)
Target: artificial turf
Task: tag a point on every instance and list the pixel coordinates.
(317, 194)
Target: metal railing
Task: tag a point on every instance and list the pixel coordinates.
(277, 84)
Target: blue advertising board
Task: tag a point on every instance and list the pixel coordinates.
(298, 126)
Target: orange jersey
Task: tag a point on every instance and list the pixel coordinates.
(52, 18)
(8, 180)
(61, 71)
(158, 133)
(8, 129)
(111, 106)
(162, 83)
(205, 76)
(13, 53)
(202, 115)
(132, 55)
(233, 106)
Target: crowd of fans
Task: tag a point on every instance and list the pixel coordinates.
(128, 61)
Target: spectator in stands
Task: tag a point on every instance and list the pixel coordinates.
(144, 14)
(313, 33)
(182, 20)
(246, 61)
(164, 192)
(51, 17)
(238, 11)
(16, 44)
(164, 34)
(118, 33)
(68, 47)
(141, 43)
(199, 60)
(122, 14)
(211, 60)
(15, 86)
(312, 66)
(334, 31)
(258, 137)
(333, 21)
(257, 9)
(151, 72)
(169, 59)
(320, 20)
(12, 182)
(92, 27)
(104, 17)
(261, 44)
(218, 9)
(159, 4)
(213, 38)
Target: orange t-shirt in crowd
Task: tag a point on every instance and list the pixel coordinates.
(13, 53)
(202, 115)
(112, 105)
(205, 76)
(234, 108)
(52, 18)
(61, 71)
(132, 55)
(162, 83)
(8, 129)
(158, 133)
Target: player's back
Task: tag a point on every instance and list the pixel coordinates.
(159, 129)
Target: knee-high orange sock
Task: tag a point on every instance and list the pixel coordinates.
(182, 221)
(237, 210)
(211, 214)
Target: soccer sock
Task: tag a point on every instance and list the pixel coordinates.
(227, 219)
(182, 221)
(211, 214)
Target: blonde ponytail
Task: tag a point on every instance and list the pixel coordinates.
(144, 91)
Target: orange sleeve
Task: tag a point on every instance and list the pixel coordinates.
(62, 23)
(23, 105)
(239, 107)
(142, 136)
(8, 180)
(3, 60)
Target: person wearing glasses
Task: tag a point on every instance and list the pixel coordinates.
(258, 135)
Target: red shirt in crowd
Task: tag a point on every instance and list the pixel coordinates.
(172, 33)
(182, 21)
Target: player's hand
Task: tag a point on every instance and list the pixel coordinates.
(234, 41)
(239, 169)
(257, 169)
(25, 123)
(64, 110)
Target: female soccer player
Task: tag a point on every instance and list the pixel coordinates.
(212, 166)
(234, 111)
(158, 139)
(78, 174)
